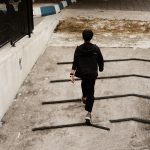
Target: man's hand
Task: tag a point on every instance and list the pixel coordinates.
(72, 78)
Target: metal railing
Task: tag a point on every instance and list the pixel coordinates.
(16, 20)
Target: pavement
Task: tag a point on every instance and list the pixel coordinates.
(124, 87)
(27, 111)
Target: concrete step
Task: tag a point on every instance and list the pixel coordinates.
(62, 53)
(48, 68)
(67, 90)
(110, 69)
(103, 111)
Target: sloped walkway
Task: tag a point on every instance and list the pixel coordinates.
(27, 112)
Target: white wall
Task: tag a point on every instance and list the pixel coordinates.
(12, 74)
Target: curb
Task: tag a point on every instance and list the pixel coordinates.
(53, 9)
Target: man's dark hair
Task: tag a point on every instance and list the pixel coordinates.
(87, 34)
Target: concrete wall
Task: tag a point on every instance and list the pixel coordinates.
(16, 62)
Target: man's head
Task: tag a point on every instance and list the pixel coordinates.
(87, 35)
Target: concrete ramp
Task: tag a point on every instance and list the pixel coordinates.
(122, 105)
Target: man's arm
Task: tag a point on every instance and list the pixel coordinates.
(74, 66)
(100, 60)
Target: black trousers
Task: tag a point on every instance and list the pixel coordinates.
(87, 86)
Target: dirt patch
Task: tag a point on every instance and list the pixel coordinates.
(77, 25)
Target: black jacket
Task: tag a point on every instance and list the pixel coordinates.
(87, 59)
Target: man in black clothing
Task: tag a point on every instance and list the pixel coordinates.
(87, 60)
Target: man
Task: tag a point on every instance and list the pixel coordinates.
(87, 59)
